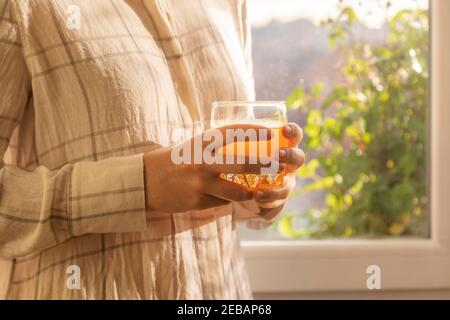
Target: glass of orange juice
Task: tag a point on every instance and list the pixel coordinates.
(268, 114)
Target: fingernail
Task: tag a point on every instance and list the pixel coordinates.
(283, 155)
(288, 129)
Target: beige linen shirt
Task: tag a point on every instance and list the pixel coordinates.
(78, 108)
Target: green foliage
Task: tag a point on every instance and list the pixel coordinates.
(367, 137)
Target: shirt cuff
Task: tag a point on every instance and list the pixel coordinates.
(107, 196)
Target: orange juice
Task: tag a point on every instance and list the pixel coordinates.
(265, 148)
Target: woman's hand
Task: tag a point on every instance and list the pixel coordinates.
(174, 187)
(271, 201)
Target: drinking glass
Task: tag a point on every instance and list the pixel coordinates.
(267, 114)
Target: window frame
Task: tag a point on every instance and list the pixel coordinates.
(406, 264)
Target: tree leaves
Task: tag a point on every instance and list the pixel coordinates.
(367, 135)
(297, 99)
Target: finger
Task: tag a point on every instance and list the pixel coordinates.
(220, 137)
(271, 205)
(272, 167)
(265, 197)
(294, 133)
(271, 213)
(271, 195)
(294, 158)
(227, 190)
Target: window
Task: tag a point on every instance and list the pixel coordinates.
(412, 252)
(356, 78)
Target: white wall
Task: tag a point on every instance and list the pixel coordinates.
(365, 295)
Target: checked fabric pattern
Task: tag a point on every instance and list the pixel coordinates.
(78, 108)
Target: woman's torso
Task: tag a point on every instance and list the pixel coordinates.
(132, 78)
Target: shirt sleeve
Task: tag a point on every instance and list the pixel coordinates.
(41, 208)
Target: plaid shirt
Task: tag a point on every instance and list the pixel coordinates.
(78, 108)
